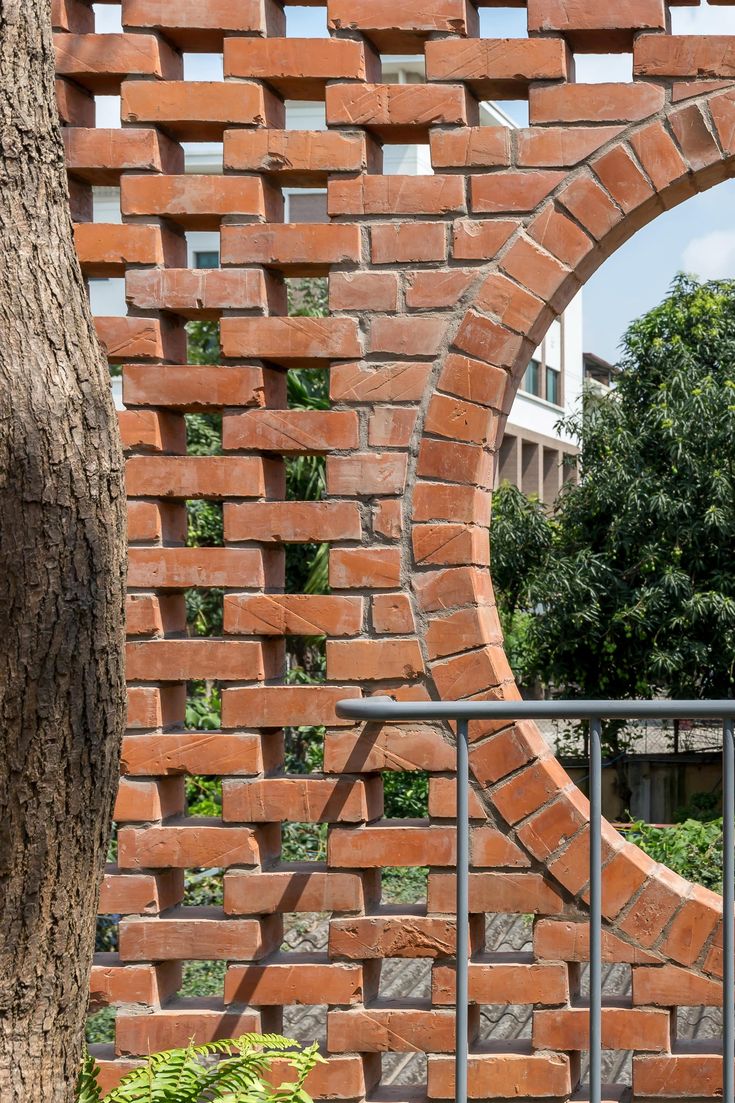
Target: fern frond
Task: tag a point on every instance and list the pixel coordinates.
(88, 1090)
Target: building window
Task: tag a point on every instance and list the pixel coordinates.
(553, 386)
(531, 382)
(207, 258)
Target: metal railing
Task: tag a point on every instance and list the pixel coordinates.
(386, 710)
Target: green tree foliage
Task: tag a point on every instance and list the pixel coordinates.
(232, 1071)
(628, 588)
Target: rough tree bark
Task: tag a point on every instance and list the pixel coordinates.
(61, 588)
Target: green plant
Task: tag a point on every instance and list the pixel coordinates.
(232, 1071)
(693, 849)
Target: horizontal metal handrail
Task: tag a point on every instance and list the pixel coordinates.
(387, 710)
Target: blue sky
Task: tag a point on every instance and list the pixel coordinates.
(698, 236)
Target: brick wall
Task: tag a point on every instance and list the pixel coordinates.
(440, 288)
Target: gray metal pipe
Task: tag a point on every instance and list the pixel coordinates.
(385, 708)
(595, 784)
(463, 915)
(728, 911)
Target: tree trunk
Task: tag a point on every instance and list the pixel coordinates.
(61, 588)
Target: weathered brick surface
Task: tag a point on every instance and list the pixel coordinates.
(440, 286)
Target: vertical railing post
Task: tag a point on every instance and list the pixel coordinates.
(595, 743)
(463, 913)
(728, 911)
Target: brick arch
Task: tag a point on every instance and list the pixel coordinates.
(438, 289)
(648, 168)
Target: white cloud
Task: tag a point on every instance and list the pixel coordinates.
(711, 256)
(703, 20)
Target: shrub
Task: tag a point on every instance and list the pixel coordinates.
(196, 1075)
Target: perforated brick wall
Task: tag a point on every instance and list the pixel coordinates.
(440, 288)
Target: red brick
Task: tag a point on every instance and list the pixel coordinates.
(691, 928)
(191, 25)
(298, 67)
(301, 800)
(470, 147)
(449, 502)
(512, 305)
(140, 893)
(504, 1076)
(155, 706)
(500, 893)
(702, 56)
(388, 518)
(100, 155)
(722, 112)
(455, 462)
(509, 191)
(693, 1075)
(650, 912)
(378, 936)
(560, 236)
(292, 522)
(140, 338)
(597, 26)
(386, 382)
(506, 751)
(180, 568)
(286, 983)
(296, 342)
(392, 1030)
(590, 205)
(192, 753)
(199, 202)
(494, 982)
(183, 660)
(299, 249)
(394, 845)
(565, 940)
(366, 474)
(198, 386)
(495, 67)
(292, 615)
(669, 986)
(363, 291)
(402, 30)
(405, 242)
(150, 522)
(452, 588)
(474, 240)
(411, 336)
(474, 380)
(399, 112)
(447, 544)
(374, 660)
(659, 156)
(102, 62)
(199, 293)
(622, 1028)
(692, 132)
(530, 790)
(149, 431)
(72, 15)
(553, 147)
(555, 825)
(111, 982)
(196, 476)
(284, 706)
(391, 427)
(536, 270)
(462, 631)
(393, 613)
(622, 178)
(198, 110)
(438, 289)
(141, 801)
(392, 748)
(290, 432)
(201, 843)
(301, 158)
(105, 250)
(166, 1029)
(396, 195)
(308, 889)
(594, 103)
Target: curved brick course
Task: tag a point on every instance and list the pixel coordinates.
(440, 288)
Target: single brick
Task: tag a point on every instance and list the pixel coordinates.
(199, 202)
(496, 893)
(597, 26)
(396, 845)
(305, 889)
(366, 474)
(399, 112)
(396, 195)
(287, 984)
(292, 522)
(196, 477)
(184, 660)
(198, 386)
(291, 432)
(296, 342)
(370, 937)
(301, 158)
(400, 382)
(641, 1029)
(495, 67)
(669, 986)
(284, 706)
(401, 242)
(100, 155)
(470, 147)
(107, 249)
(393, 1030)
(364, 291)
(197, 110)
(301, 800)
(299, 68)
(102, 62)
(369, 568)
(504, 1076)
(692, 1075)
(702, 56)
(391, 427)
(300, 250)
(292, 615)
(594, 103)
(201, 843)
(512, 191)
(166, 1029)
(180, 568)
(191, 25)
(111, 982)
(193, 753)
(140, 893)
(199, 294)
(495, 982)
(402, 29)
(392, 748)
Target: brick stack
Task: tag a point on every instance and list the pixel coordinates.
(440, 288)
